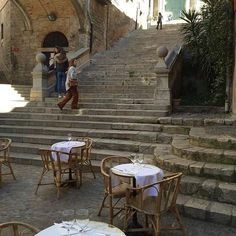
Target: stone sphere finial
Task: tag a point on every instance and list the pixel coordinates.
(162, 51)
(40, 58)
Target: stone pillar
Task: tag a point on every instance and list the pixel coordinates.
(40, 79)
(162, 94)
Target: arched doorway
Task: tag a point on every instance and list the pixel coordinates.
(50, 41)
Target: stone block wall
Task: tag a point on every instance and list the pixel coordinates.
(5, 45)
(26, 25)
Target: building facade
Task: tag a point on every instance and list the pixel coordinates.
(31, 26)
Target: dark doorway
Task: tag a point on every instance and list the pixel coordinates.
(51, 40)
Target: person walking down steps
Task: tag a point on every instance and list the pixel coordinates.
(71, 86)
(159, 21)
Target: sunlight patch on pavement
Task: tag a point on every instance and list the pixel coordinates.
(10, 98)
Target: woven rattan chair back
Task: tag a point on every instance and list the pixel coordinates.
(86, 161)
(111, 191)
(5, 160)
(17, 229)
(61, 170)
(157, 205)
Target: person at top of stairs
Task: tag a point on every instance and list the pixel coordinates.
(71, 85)
(159, 21)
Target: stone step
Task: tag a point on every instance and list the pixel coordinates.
(52, 100)
(124, 112)
(84, 111)
(194, 120)
(183, 148)
(35, 159)
(81, 124)
(173, 163)
(84, 94)
(116, 88)
(221, 137)
(22, 142)
(75, 116)
(208, 189)
(114, 75)
(144, 136)
(97, 105)
(211, 211)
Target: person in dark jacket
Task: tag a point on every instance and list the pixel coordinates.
(61, 66)
(159, 21)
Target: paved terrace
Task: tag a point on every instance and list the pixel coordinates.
(18, 202)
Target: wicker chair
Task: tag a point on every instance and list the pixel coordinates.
(5, 144)
(17, 229)
(85, 161)
(154, 207)
(113, 193)
(52, 163)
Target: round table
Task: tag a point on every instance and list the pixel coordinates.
(66, 146)
(143, 174)
(95, 229)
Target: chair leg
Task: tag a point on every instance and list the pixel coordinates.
(111, 209)
(0, 173)
(102, 205)
(40, 180)
(57, 177)
(91, 169)
(158, 225)
(12, 173)
(177, 215)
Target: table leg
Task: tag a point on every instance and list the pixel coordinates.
(0, 173)
(135, 223)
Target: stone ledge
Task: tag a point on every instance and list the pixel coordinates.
(220, 213)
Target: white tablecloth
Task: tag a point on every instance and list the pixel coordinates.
(95, 229)
(65, 146)
(144, 174)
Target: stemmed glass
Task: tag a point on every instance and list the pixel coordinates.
(133, 158)
(69, 136)
(82, 219)
(69, 215)
(140, 159)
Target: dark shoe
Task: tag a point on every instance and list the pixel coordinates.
(59, 106)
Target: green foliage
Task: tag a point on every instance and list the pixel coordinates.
(208, 36)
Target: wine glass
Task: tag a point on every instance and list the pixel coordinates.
(68, 220)
(82, 219)
(140, 159)
(69, 136)
(133, 158)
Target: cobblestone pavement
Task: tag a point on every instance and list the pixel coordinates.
(18, 202)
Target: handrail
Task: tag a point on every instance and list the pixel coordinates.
(172, 56)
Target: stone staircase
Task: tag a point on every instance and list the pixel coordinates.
(118, 111)
(207, 157)
(117, 108)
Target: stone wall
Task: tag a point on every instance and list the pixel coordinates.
(5, 45)
(28, 25)
(109, 25)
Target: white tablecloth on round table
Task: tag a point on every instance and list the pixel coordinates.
(65, 146)
(144, 174)
(95, 229)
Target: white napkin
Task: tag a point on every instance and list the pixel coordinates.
(62, 228)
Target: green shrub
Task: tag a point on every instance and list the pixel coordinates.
(208, 36)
